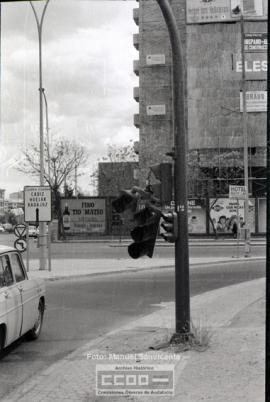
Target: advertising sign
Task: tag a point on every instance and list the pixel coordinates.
(223, 212)
(237, 192)
(199, 11)
(256, 101)
(255, 64)
(37, 204)
(84, 215)
(196, 216)
(255, 42)
(205, 11)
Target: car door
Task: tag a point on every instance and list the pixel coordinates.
(28, 292)
(10, 301)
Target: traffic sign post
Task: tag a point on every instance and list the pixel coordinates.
(38, 209)
(21, 243)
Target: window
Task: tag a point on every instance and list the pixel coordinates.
(7, 273)
(2, 277)
(17, 268)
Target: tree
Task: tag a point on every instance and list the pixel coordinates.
(213, 177)
(65, 157)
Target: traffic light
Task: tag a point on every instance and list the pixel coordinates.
(170, 225)
(145, 233)
(163, 190)
(127, 199)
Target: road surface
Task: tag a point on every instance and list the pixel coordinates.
(82, 310)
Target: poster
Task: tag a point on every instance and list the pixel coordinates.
(205, 11)
(84, 215)
(223, 211)
(196, 216)
(255, 42)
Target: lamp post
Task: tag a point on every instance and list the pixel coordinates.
(49, 174)
(237, 11)
(42, 243)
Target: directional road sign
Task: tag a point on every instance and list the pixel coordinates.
(20, 245)
(37, 204)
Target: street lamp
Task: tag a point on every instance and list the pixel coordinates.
(49, 174)
(237, 11)
(42, 256)
(47, 132)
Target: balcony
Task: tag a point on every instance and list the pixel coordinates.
(136, 92)
(136, 41)
(136, 65)
(136, 15)
(137, 120)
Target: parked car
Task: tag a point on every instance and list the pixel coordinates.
(22, 300)
(33, 231)
(8, 227)
(2, 229)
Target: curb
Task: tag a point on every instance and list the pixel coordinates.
(128, 270)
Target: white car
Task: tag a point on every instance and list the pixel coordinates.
(22, 300)
(2, 229)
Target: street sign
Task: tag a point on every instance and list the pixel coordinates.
(238, 192)
(20, 245)
(20, 230)
(37, 204)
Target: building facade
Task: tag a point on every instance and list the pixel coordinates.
(115, 176)
(211, 41)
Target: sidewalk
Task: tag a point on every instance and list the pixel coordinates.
(231, 369)
(70, 268)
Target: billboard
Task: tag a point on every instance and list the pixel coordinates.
(207, 11)
(84, 215)
(196, 216)
(255, 65)
(255, 42)
(223, 212)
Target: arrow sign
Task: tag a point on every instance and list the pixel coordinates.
(20, 230)
(20, 245)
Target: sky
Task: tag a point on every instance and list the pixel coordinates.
(88, 54)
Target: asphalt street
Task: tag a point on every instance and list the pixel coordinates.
(119, 250)
(80, 311)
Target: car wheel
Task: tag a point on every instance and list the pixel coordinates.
(35, 331)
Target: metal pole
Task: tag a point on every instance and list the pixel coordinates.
(245, 136)
(49, 174)
(182, 292)
(267, 304)
(238, 229)
(42, 255)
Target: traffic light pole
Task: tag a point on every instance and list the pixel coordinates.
(267, 306)
(182, 293)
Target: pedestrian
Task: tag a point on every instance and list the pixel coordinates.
(234, 229)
